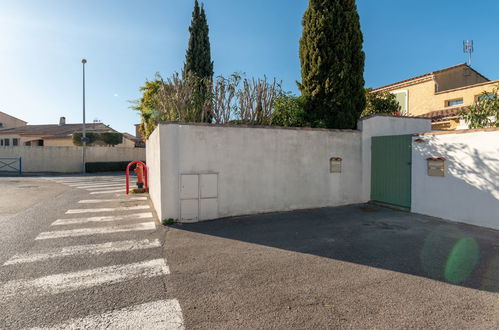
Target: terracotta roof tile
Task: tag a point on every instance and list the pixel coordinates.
(445, 113)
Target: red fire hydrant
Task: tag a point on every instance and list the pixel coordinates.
(139, 170)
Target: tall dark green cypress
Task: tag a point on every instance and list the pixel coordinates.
(332, 64)
(198, 56)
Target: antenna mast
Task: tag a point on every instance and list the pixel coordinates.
(468, 48)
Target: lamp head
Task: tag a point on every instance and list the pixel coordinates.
(83, 61)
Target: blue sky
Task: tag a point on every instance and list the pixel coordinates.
(127, 42)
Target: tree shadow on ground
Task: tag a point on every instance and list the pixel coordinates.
(374, 236)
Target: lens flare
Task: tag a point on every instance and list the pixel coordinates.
(462, 260)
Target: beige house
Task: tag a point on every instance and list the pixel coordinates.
(55, 135)
(441, 95)
(8, 121)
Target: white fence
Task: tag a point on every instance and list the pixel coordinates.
(67, 159)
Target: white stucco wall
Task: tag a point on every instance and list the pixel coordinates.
(469, 191)
(153, 156)
(384, 126)
(67, 159)
(259, 169)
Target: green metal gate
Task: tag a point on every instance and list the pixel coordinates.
(391, 158)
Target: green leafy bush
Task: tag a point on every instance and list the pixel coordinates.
(169, 221)
(106, 138)
(289, 111)
(111, 138)
(380, 102)
(92, 137)
(484, 112)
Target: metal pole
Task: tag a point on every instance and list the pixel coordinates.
(84, 135)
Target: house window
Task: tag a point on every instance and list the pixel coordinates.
(484, 97)
(453, 103)
(1, 142)
(1, 124)
(15, 142)
(7, 142)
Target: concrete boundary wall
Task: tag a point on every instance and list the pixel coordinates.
(469, 190)
(210, 171)
(202, 171)
(153, 156)
(67, 159)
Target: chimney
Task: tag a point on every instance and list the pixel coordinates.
(62, 121)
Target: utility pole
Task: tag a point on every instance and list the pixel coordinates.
(84, 135)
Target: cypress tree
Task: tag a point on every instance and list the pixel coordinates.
(332, 64)
(198, 56)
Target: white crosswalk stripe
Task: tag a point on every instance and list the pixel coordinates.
(87, 181)
(96, 201)
(113, 185)
(107, 192)
(77, 250)
(54, 284)
(157, 315)
(97, 230)
(108, 218)
(52, 248)
(109, 209)
(103, 188)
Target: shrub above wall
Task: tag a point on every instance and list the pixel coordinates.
(105, 138)
(106, 166)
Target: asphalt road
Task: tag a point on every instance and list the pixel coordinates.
(354, 267)
(76, 253)
(82, 256)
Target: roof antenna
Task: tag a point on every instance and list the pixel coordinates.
(468, 49)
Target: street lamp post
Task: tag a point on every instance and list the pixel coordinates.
(84, 135)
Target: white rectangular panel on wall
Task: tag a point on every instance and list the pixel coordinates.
(189, 186)
(208, 185)
(208, 209)
(189, 209)
(198, 197)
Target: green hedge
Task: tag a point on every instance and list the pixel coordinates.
(106, 138)
(106, 166)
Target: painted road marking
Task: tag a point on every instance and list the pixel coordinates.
(89, 183)
(89, 180)
(150, 225)
(163, 314)
(103, 187)
(92, 249)
(94, 183)
(106, 192)
(54, 284)
(97, 183)
(108, 209)
(108, 218)
(96, 201)
(109, 185)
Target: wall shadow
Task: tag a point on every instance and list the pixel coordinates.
(374, 236)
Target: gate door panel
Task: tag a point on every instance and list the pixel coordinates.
(391, 158)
